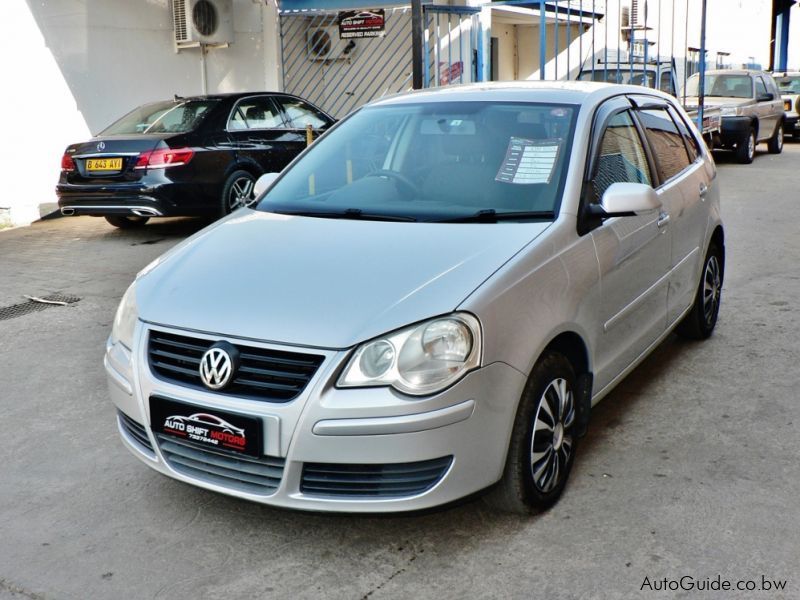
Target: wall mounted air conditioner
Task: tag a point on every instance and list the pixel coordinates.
(198, 22)
(323, 43)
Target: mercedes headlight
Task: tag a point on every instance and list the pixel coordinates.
(418, 360)
(125, 319)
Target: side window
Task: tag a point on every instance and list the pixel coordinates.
(691, 141)
(761, 88)
(255, 113)
(301, 114)
(665, 85)
(620, 157)
(666, 142)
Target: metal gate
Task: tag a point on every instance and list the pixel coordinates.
(339, 75)
(451, 45)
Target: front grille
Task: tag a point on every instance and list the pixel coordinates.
(272, 375)
(378, 481)
(135, 431)
(228, 469)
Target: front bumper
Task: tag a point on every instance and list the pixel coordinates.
(734, 130)
(791, 122)
(464, 429)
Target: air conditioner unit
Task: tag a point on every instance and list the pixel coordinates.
(202, 22)
(323, 43)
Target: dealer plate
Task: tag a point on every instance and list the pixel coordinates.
(212, 428)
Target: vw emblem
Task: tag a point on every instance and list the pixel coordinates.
(217, 366)
(101, 146)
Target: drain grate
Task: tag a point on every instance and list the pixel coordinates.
(45, 302)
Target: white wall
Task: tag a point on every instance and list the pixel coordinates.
(71, 67)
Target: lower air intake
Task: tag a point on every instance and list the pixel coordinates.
(375, 481)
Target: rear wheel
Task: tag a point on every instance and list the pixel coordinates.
(701, 320)
(775, 144)
(126, 222)
(543, 441)
(746, 149)
(237, 191)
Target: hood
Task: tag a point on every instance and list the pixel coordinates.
(328, 283)
(692, 102)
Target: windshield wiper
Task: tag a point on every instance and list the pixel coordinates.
(490, 215)
(349, 213)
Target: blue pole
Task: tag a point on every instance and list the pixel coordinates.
(542, 39)
(702, 88)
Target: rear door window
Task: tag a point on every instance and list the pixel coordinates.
(300, 114)
(666, 142)
(255, 113)
(692, 145)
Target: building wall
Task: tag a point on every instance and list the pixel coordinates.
(74, 66)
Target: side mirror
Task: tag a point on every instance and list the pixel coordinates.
(765, 97)
(626, 200)
(263, 183)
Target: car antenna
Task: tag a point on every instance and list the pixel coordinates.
(176, 97)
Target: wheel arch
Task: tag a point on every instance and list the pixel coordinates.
(573, 347)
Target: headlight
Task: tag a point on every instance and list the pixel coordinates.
(125, 319)
(730, 111)
(418, 360)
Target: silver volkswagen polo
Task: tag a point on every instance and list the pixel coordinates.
(426, 303)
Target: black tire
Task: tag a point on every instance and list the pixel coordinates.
(701, 320)
(775, 143)
(126, 222)
(746, 149)
(237, 191)
(532, 484)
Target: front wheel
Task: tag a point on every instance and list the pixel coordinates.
(701, 320)
(775, 144)
(746, 149)
(126, 222)
(543, 440)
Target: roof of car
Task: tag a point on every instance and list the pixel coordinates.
(734, 72)
(564, 92)
(230, 95)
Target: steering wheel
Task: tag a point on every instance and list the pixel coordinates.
(405, 183)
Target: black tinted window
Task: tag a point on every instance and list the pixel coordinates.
(162, 117)
(255, 113)
(301, 114)
(666, 142)
(621, 157)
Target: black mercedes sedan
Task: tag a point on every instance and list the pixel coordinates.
(197, 156)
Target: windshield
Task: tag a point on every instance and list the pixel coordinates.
(433, 162)
(727, 86)
(162, 117)
(789, 85)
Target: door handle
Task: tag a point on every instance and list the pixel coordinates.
(703, 190)
(663, 219)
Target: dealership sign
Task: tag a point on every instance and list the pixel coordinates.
(362, 23)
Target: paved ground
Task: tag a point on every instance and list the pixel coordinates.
(690, 467)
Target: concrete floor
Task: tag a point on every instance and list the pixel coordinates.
(690, 467)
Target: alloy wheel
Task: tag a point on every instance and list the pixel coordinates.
(241, 193)
(712, 284)
(751, 146)
(553, 435)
